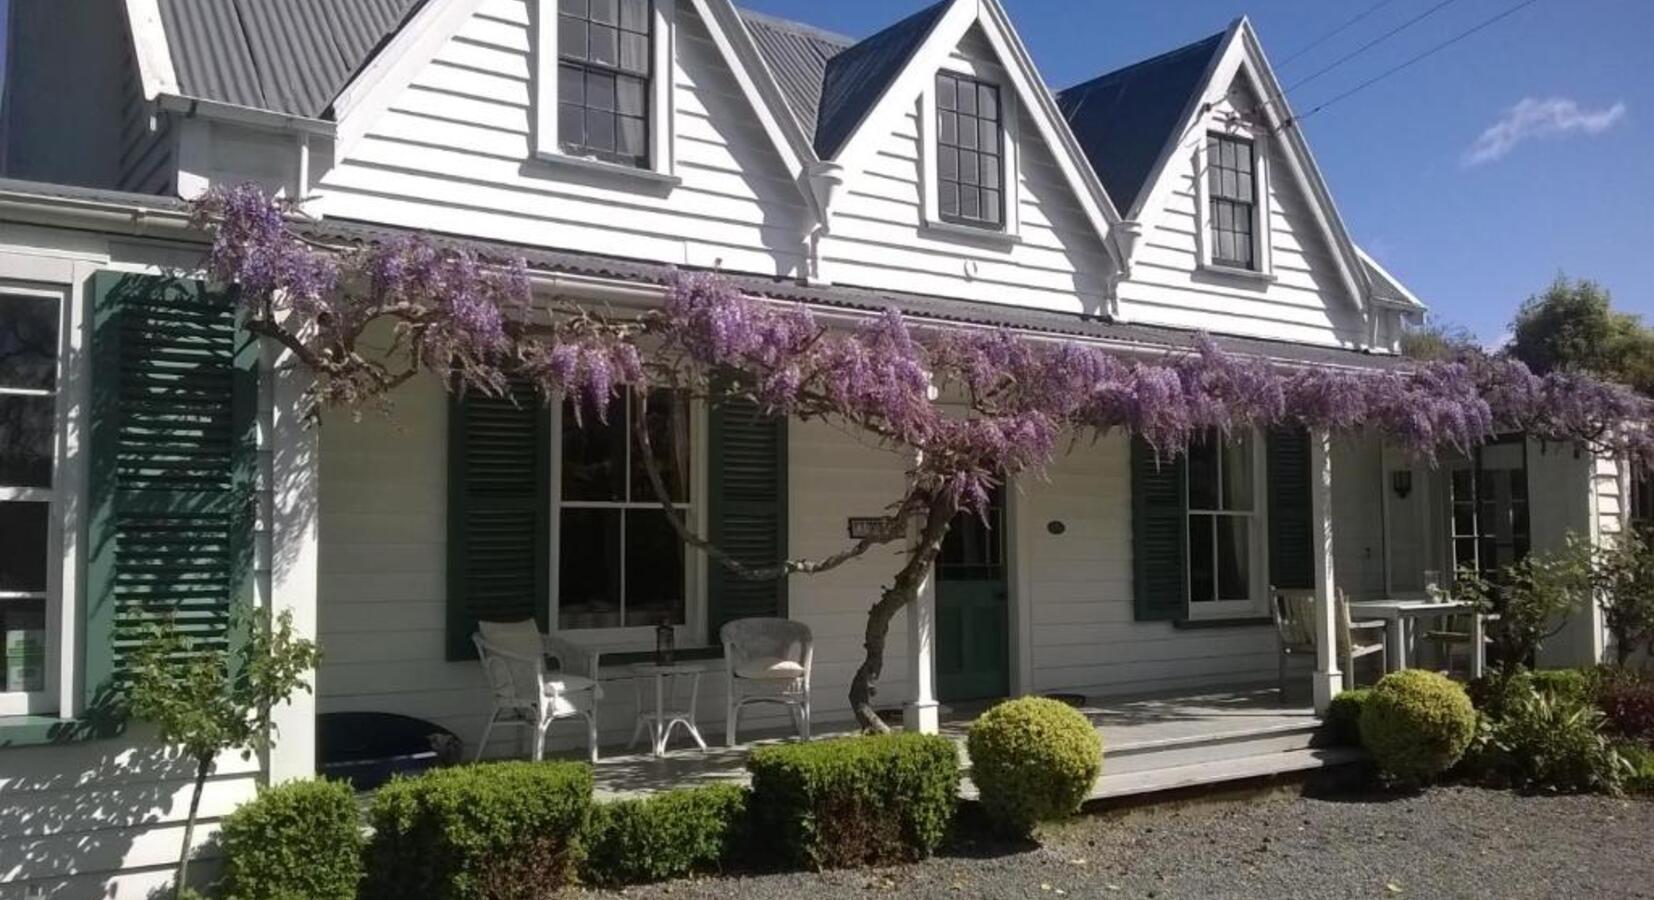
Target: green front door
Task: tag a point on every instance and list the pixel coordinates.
(972, 624)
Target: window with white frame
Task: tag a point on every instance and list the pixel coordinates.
(620, 564)
(1225, 529)
(603, 86)
(31, 335)
(1232, 198)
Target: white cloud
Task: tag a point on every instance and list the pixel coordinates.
(1535, 118)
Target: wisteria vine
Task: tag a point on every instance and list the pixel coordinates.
(971, 405)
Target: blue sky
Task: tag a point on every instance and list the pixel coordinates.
(1472, 221)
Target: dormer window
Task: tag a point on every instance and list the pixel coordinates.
(603, 79)
(1233, 195)
(603, 98)
(970, 156)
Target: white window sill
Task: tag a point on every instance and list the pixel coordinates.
(615, 172)
(1003, 240)
(1237, 272)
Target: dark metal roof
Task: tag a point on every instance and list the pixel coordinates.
(287, 56)
(857, 78)
(797, 55)
(1123, 120)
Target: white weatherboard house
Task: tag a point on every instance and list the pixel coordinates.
(927, 167)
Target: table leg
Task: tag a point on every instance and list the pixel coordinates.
(694, 695)
(1478, 646)
(660, 711)
(1397, 628)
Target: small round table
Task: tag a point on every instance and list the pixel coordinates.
(667, 711)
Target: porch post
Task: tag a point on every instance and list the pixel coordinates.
(1328, 679)
(921, 713)
(290, 467)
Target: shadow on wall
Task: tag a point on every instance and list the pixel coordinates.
(77, 821)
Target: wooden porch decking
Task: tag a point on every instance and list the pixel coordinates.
(1150, 744)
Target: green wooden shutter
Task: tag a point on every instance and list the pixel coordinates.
(1291, 526)
(499, 498)
(1159, 522)
(173, 461)
(746, 510)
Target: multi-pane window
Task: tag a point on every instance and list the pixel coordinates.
(1231, 182)
(620, 563)
(1491, 522)
(29, 340)
(603, 52)
(1223, 507)
(970, 168)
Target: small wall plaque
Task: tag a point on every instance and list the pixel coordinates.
(866, 527)
(1055, 527)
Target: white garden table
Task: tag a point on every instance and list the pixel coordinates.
(666, 710)
(1400, 615)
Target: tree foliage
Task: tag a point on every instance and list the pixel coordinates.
(210, 701)
(966, 407)
(1572, 327)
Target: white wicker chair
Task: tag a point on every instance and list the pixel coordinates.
(768, 661)
(514, 655)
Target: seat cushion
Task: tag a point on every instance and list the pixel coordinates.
(568, 684)
(770, 667)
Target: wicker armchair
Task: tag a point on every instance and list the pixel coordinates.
(526, 693)
(767, 661)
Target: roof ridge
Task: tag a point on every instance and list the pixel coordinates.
(1115, 73)
(804, 29)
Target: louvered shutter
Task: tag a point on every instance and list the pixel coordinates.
(499, 470)
(746, 510)
(173, 461)
(1159, 520)
(1291, 526)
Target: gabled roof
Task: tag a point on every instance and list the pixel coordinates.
(857, 78)
(831, 81)
(797, 56)
(1124, 119)
(286, 57)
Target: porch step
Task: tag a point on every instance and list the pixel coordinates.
(1140, 755)
(1154, 780)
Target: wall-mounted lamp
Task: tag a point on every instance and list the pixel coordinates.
(1401, 481)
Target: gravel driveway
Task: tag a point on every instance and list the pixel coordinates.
(1451, 842)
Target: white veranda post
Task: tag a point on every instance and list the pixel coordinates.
(1328, 678)
(921, 714)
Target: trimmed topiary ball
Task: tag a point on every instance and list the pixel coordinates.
(1033, 760)
(1417, 724)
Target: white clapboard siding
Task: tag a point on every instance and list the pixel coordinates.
(1306, 300)
(1078, 589)
(96, 819)
(878, 241)
(456, 148)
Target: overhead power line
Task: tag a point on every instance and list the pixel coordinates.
(1370, 44)
(1415, 59)
(1359, 17)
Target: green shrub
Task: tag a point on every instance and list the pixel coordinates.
(668, 835)
(1417, 724)
(302, 839)
(1033, 760)
(1639, 761)
(1573, 685)
(1550, 741)
(499, 831)
(855, 801)
(1344, 716)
